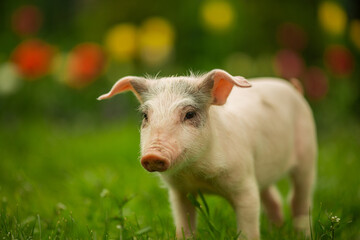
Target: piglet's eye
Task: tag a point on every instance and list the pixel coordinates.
(145, 116)
(190, 115)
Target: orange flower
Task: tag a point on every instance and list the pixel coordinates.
(86, 62)
(33, 58)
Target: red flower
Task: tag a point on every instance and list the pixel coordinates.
(339, 60)
(288, 64)
(27, 20)
(316, 83)
(291, 35)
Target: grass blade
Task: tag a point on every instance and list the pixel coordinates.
(205, 203)
(143, 231)
(38, 218)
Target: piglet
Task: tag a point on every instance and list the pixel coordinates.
(222, 134)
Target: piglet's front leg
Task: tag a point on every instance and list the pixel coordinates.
(246, 203)
(184, 214)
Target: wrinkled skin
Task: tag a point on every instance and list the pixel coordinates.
(203, 134)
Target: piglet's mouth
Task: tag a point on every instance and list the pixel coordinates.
(155, 162)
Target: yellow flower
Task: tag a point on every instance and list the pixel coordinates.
(156, 40)
(120, 42)
(355, 33)
(332, 17)
(217, 15)
(9, 78)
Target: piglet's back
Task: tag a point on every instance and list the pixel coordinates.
(272, 112)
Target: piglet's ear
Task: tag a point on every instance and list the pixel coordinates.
(220, 83)
(135, 84)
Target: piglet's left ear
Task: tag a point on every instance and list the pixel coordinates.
(137, 85)
(220, 83)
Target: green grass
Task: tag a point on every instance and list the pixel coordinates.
(84, 181)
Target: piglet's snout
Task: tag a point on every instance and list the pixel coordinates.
(155, 162)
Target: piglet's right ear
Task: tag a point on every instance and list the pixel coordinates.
(135, 84)
(220, 83)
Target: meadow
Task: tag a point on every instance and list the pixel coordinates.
(83, 180)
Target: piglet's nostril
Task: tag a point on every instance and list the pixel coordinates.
(145, 163)
(154, 162)
(160, 163)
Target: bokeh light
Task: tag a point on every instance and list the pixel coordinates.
(355, 33)
(33, 58)
(121, 42)
(156, 38)
(339, 60)
(85, 63)
(316, 83)
(332, 17)
(292, 36)
(59, 67)
(217, 15)
(27, 20)
(264, 66)
(240, 64)
(9, 78)
(288, 64)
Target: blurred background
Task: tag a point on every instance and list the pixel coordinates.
(57, 57)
